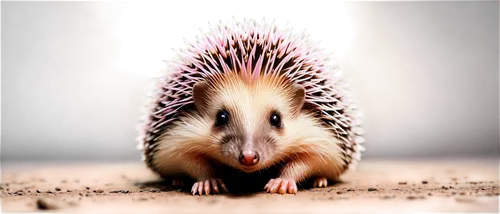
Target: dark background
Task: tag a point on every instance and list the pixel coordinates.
(425, 75)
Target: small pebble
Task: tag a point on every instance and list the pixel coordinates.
(412, 197)
(402, 183)
(424, 182)
(371, 189)
(43, 205)
(146, 190)
(120, 191)
(58, 189)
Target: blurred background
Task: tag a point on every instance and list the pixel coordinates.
(75, 75)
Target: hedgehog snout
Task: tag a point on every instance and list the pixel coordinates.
(249, 157)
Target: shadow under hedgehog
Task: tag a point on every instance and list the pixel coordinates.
(249, 99)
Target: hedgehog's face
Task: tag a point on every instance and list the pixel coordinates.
(248, 119)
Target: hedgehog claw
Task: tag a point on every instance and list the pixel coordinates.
(208, 186)
(320, 182)
(281, 186)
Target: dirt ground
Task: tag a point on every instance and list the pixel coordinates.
(375, 186)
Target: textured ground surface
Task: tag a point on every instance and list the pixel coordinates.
(376, 186)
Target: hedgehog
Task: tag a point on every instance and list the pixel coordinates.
(249, 98)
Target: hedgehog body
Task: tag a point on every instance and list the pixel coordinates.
(251, 97)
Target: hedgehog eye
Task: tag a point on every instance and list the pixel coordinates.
(222, 118)
(275, 120)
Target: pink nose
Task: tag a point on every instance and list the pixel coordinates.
(249, 158)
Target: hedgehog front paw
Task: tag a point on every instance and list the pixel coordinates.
(281, 186)
(320, 182)
(207, 186)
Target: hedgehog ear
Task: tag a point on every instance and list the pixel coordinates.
(200, 93)
(298, 93)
